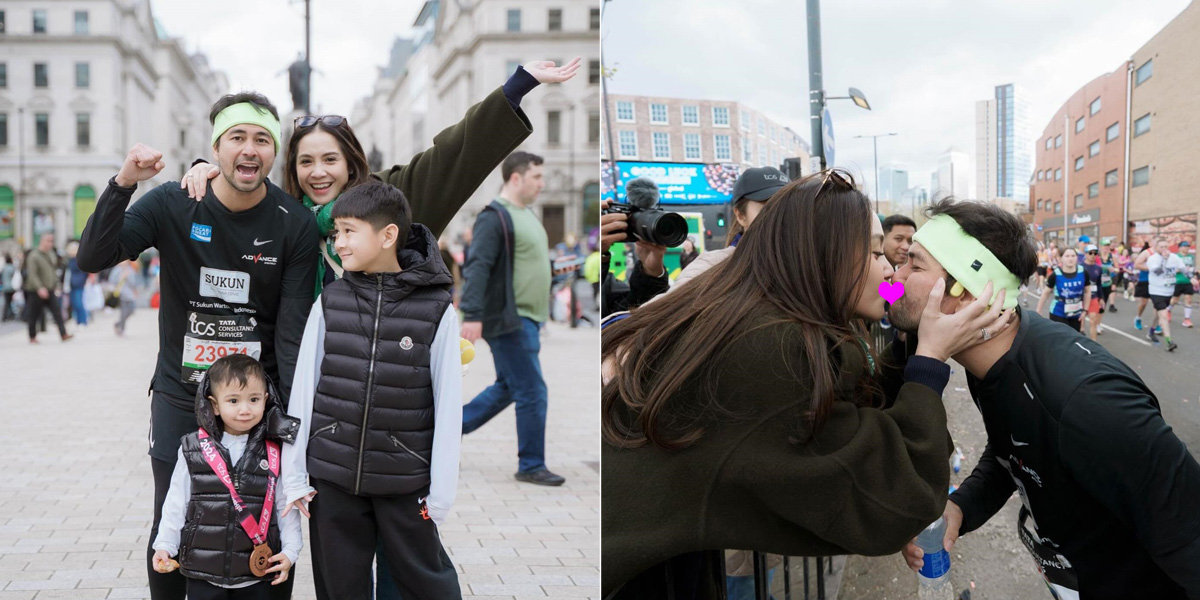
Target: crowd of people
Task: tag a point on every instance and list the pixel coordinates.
(746, 409)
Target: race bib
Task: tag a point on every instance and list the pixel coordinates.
(1073, 308)
(1053, 566)
(1105, 280)
(230, 286)
(209, 338)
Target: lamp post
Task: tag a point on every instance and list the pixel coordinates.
(875, 145)
(816, 85)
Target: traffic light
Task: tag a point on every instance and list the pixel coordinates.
(720, 219)
(791, 168)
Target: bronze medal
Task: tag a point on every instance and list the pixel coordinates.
(259, 560)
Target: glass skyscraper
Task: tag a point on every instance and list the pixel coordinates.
(1014, 143)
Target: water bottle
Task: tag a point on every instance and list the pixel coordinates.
(958, 458)
(933, 580)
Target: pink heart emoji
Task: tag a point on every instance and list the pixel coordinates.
(891, 291)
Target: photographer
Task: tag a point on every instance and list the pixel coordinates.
(648, 277)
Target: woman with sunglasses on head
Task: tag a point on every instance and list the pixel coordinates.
(759, 418)
(324, 158)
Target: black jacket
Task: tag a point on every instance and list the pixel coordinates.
(616, 296)
(213, 546)
(488, 291)
(373, 413)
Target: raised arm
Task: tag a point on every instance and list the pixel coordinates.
(114, 234)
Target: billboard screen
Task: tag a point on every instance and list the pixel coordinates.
(678, 183)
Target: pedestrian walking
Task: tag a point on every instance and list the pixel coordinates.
(8, 272)
(78, 281)
(42, 285)
(506, 300)
(125, 280)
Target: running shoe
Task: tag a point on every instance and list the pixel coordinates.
(1187, 323)
(1171, 346)
(1112, 308)
(1137, 323)
(1153, 338)
(1158, 329)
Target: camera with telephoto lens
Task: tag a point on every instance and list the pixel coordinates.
(645, 222)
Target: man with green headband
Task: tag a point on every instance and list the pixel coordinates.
(1110, 496)
(238, 270)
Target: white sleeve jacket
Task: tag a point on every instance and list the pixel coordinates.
(446, 371)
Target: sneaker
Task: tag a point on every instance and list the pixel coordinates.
(1171, 346)
(1158, 329)
(1153, 338)
(1112, 308)
(542, 477)
(1187, 323)
(1137, 323)
(67, 337)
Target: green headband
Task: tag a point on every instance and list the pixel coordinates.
(967, 260)
(245, 113)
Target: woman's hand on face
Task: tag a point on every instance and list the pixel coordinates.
(546, 72)
(196, 180)
(943, 335)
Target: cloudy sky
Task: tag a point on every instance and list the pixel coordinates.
(253, 42)
(922, 64)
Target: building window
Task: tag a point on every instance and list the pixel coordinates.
(721, 117)
(628, 143)
(1058, 207)
(1079, 125)
(1039, 205)
(691, 115)
(183, 137)
(3, 129)
(83, 130)
(691, 146)
(555, 19)
(762, 127)
(747, 151)
(81, 22)
(625, 112)
(1110, 178)
(511, 67)
(658, 114)
(39, 21)
(1094, 190)
(1039, 175)
(1049, 143)
(1, 21)
(593, 127)
(721, 143)
(514, 19)
(594, 25)
(762, 155)
(744, 120)
(1094, 148)
(661, 145)
(1095, 107)
(1078, 163)
(554, 127)
(41, 75)
(3, 75)
(1058, 174)
(42, 129)
(1141, 125)
(83, 75)
(1113, 131)
(1079, 201)
(1144, 72)
(1141, 176)
(593, 72)
(1058, 141)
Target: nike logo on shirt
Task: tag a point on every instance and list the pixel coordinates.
(1016, 443)
(258, 243)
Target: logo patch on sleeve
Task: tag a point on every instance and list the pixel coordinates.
(202, 233)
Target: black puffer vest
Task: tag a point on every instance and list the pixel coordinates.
(372, 420)
(213, 546)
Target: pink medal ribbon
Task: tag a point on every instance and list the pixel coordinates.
(256, 530)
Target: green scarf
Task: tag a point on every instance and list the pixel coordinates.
(324, 216)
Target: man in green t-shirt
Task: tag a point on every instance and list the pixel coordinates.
(505, 300)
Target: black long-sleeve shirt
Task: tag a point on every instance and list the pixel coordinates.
(231, 281)
(1111, 497)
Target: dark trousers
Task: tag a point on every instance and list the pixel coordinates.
(173, 585)
(518, 379)
(34, 305)
(345, 530)
(198, 589)
(8, 313)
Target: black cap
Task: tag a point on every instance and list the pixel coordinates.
(759, 183)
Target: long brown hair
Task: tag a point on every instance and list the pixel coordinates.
(352, 152)
(805, 257)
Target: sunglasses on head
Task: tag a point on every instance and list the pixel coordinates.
(836, 177)
(1092, 252)
(310, 120)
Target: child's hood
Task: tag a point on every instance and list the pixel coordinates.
(276, 424)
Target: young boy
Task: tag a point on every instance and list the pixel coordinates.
(378, 391)
(225, 483)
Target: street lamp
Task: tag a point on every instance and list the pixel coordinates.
(816, 91)
(874, 144)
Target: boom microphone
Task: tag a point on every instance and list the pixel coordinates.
(642, 192)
